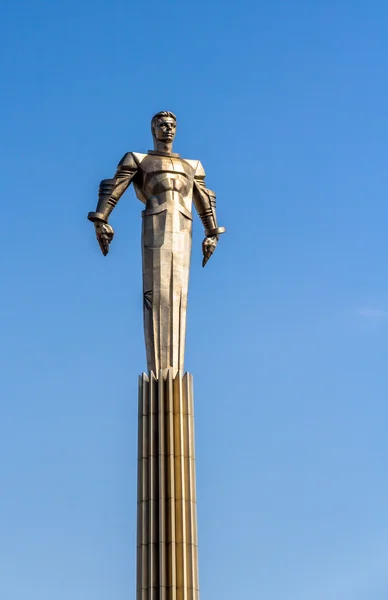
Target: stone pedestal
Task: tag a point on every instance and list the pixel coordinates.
(167, 545)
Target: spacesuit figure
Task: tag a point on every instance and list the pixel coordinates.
(167, 185)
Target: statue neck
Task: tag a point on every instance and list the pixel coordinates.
(162, 149)
(163, 146)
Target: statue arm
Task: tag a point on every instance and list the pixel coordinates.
(109, 193)
(205, 204)
(111, 190)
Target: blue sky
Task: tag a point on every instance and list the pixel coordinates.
(285, 103)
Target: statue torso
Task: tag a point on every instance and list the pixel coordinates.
(164, 181)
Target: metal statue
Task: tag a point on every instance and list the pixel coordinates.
(168, 185)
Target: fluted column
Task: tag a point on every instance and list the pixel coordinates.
(167, 545)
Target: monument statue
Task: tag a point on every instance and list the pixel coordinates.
(168, 185)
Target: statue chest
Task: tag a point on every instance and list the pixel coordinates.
(161, 174)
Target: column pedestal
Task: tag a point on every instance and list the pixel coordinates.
(167, 544)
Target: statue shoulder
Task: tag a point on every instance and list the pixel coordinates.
(199, 171)
(131, 161)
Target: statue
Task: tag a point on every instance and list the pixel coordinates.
(168, 185)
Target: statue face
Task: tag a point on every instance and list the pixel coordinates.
(164, 129)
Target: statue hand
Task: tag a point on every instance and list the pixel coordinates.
(104, 234)
(208, 246)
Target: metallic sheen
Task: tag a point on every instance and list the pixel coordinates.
(167, 543)
(168, 185)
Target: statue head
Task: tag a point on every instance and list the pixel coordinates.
(163, 127)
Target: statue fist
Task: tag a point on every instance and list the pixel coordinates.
(208, 246)
(104, 234)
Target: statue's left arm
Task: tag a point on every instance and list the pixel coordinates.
(205, 203)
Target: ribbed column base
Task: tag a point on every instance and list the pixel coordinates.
(167, 544)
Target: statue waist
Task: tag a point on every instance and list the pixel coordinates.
(156, 205)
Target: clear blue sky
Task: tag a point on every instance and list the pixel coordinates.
(285, 103)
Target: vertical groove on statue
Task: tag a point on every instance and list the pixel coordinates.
(171, 539)
(188, 500)
(153, 549)
(139, 562)
(162, 487)
(186, 487)
(180, 504)
(143, 491)
(191, 493)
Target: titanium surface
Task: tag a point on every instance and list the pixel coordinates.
(168, 185)
(167, 545)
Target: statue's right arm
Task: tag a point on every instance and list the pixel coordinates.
(109, 194)
(111, 190)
